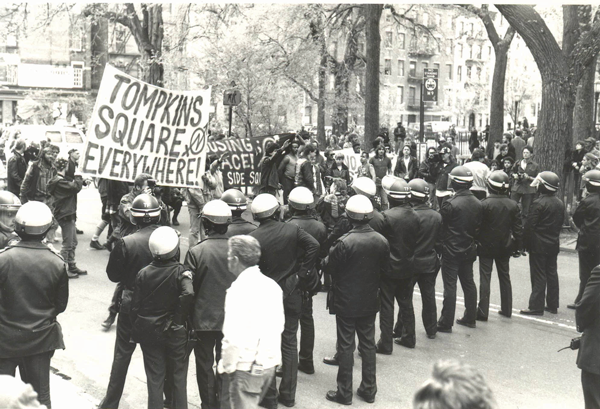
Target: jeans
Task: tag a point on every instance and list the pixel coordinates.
(384, 199)
(34, 369)
(452, 270)
(209, 384)
(118, 373)
(485, 274)
(347, 330)
(292, 306)
(243, 390)
(196, 230)
(526, 199)
(432, 199)
(401, 291)
(543, 271)
(588, 259)
(69, 242)
(307, 332)
(167, 362)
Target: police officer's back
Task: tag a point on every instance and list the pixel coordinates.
(237, 202)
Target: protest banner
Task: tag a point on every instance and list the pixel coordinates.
(141, 128)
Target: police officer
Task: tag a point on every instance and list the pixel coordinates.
(426, 263)
(129, 255)
(399, 228)
(237, 202)
(357, 263)
(301, 202)
(541, 239)
(34, 291)
(587, 219)
(208, 262)
(461, 216)
(9, 206)
(162, 299)
(288, 257)
(501, 234)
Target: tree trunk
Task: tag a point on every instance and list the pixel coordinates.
(373, 49)
(342, 80)
(321, 102)
(497, 99)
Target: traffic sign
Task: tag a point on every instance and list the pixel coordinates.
(430, 80)
(232, 97)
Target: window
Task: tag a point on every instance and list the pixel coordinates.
(449, 46)
(438, 20)
(462, 28)
(73, 137)
(425, 66)
(479, 48)
(77, 75)
(437, 67)
(471, 29)
(479, 73)
(388, 39)
(413, 42)
(469, 71)
(120, 39)
(401, 68)
(388, 18)
(412, 93)
(459, 73)
(412, 69)
(449, 69)
(388, 67)
(470, 51)
(401, 41)
(308, 114)
(77, 38)
(425, 19)
(54, 136)
(460, 50)
(400, 94)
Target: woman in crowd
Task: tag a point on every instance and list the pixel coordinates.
(523, 173)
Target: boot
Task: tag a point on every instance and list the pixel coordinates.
(175, 222)
(76, 270)
(72, 275)
(109, 321)
(95, 244)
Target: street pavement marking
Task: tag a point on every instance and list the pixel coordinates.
(516, 313)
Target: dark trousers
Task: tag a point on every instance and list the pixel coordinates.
(209, 384)
(288, 185)
(402, 291)
(292, 306)
(167, 362)
(588, 260)
(347, 330)
(451, 270)
(485, 275)
(590, 383)
(116, 299)
(243, 390)
(526, 200)
(429, 313)
(118, 373)
(307, 332)
(34, 369)
(543, 271)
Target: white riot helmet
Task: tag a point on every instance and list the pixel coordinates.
(164, 243)
(359, 208)
(33, 219)
(264, 206)
(301, 198)
(217, 212)
(364, 186)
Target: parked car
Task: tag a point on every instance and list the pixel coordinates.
(432, 129)
(66, 138)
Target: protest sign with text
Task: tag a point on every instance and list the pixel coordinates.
(141, 128)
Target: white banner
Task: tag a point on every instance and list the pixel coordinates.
(141, 128)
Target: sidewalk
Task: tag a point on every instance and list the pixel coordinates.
(568, 241)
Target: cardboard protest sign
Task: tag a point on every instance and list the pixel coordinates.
(141, 128)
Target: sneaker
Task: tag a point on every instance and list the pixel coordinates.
(175, 222)
(72, 275)
(95, 244)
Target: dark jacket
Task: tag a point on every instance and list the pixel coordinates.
(313, 227)
(357, 262)
(15, 170)
(64, 196)
(34, 289)
(521, 185)
(240, 226)
(163, 295)
(287, 250)
(400, 225)
(343, 226)
(401, 171)
(429, 170)
(587, 220)
(543, 225)
(461, 216)
(441, 182)
(32, 187)
(335, 172)
(473, 141)
(427, 238)
(310, 177)
(399, 133)
(208, 262)
(500, 223)
(588, 322)
(71, 168)
(268, 170)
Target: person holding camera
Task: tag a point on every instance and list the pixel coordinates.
(524, 172)
(428, 171)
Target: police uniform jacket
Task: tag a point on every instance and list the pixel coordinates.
(357, 261)
(313, 227)
(587, 219)
(240, 226)
(427, 238)
(163, 292)
(343, 226)
(208, 262)
(400, 226)
(501, 222)
(7, 236)
(461, 216)
(34, 289)
(588, 322)
(543, 225)
(287, 250)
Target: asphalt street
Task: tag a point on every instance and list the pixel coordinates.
(517, 356)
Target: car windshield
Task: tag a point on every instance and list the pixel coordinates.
(54, 136)
(73, 137)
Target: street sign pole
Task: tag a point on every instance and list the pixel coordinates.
(422, 117)
(231, 98)
(230, 115)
